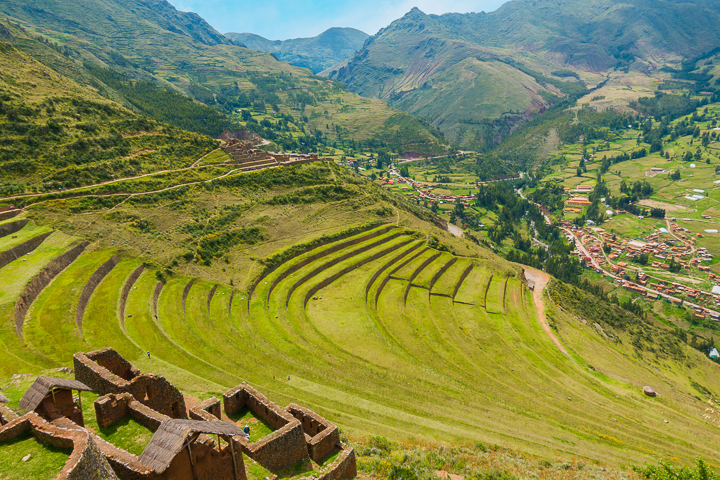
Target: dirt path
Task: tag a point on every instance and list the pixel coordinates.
(455, 230)
(541, 279)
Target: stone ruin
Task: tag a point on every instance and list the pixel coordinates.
(105, 371)
(180, 449)
(247, 157)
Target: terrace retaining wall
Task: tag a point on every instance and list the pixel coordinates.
(302, 252)
(24, 248)
(42, 280)
(9, 214)
(126, 291)
(337, 260)
(10, 228)
(90, 287)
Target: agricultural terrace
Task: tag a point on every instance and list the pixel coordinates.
(375, 329)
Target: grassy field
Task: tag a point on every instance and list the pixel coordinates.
(45, 461)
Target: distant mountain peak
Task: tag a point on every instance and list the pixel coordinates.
(316, 53)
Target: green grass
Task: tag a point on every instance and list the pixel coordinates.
(259, 428)
(128, 434)
(45, 461)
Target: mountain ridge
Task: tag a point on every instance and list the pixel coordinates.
(316, 53)
(548, 40)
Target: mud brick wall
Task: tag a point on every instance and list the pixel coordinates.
(20, 250)
(42, 280)
(325, 436)
(345, 466)
(209, 410)
(10, 228)
(282, 448)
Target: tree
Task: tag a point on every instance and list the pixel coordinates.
(675, 175)
(579, 172)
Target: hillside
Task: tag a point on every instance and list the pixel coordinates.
(152, 46)
(317, 53)
(473, 74)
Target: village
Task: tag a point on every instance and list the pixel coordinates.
(601, 250)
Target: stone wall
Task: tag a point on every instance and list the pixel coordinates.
(12, 227)
(302, 252)
(156, 296)
(26, 247)
(9, 214)
(324, 436)
(105, 371)
(42, 280)
(90, 287)
(6, 415)
(282, 448)
(90, 464)
(86, 462)
(211, 464)
(126, 291)
(209, 410)
(344, 466)
(111, 408)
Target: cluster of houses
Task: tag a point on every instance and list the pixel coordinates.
(423, 191)
(594, 240)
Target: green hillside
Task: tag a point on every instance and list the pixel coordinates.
(477, 76)
(153, 47)
(317, 53)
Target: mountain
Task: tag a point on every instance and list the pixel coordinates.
(316, 53)
(149, 43)
(460, 71)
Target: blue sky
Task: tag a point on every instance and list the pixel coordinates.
(283, 19)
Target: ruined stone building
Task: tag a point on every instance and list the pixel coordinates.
(203, 447)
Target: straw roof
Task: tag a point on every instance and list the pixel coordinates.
(42, 388)
(171, 438)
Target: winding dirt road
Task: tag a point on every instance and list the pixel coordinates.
(540, 280)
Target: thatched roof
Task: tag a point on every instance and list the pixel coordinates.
(3, 398)
(171, 438)
(42, 388)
